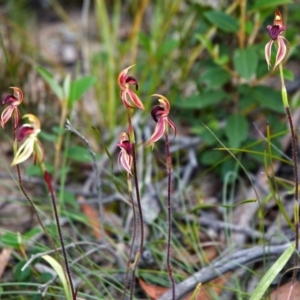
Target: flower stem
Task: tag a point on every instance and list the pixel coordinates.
(129, 184)
(140, 219)
(47, 178)
(169, 214)
(295, 165)
(36, 213)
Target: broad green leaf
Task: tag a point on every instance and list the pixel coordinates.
(223, 21)
(268, 278)
(10, 239)
(288, 75)
(214, 77)
(245, 62)
(236, 130)
(50, 137)
(210, 157)
(79, 153)
(201, 100)
(48, 77)
(61, 274)
(268, 98)
(79, 87)
(262, 4)
(21, 276)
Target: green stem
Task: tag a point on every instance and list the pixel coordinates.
(295, 163)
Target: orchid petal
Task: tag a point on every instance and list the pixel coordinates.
(123, 76)
(172, 125)
(24, 152)
(126, 161)
(125, 100)
(34, 121)
(158, 132)
(135, 99)
(164, 101)
(6, 114)
(281, 51)
(9, 99)
(18, 94)
(39, 151)
(268, 49)
(24, 131)
(16, 117)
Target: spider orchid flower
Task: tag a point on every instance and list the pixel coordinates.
(275, 32)
(27, 133)
(129, 98)
(12, 110)
(160, 115)
(125, 156)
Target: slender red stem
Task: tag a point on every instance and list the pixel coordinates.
(139, 220)
(132, 244)
(169, 215)
(48, 181)
(36, 212)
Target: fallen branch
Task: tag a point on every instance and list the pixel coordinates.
(223, 265)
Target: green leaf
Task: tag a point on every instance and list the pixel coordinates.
(210, 157)
(61, 274)
(48, 77)
(288, 75)
(223, 21)
(268, 98)
(201, 100)
(236, 130)
(245, 62)
(79, 87)
(21, 276)
(11, 239)
(50, 137)
(79, 153)
(263, 4)
(206, 42)
(214, 77)
(67, 86)
(268, 278)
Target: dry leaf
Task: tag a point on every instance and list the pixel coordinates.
(153, 291)
(288, 291)
(4, 258)
(205, 292)
(213, 287)
(92, 216)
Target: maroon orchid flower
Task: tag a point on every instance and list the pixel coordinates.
(125, 156)
(13, 100)
(275, 32)
(129, 98)
(160, 115)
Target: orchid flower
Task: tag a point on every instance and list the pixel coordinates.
(14, 100)
(275, 32)
(129, 98)
(27, 133)
(125, 156)
(160, 115)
